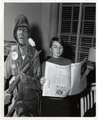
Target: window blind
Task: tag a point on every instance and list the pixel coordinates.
(69, 15)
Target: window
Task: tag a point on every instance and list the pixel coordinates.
(69, 22)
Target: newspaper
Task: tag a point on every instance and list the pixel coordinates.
(62, 81)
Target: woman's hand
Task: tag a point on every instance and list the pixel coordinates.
(7, 97)
(42, 80)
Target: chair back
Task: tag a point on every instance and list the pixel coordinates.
(88, 99)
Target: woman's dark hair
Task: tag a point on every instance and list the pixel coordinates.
(57, 39)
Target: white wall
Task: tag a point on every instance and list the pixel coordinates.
(46, 25)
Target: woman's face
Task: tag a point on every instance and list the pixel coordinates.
(22, 35)
(57, 49)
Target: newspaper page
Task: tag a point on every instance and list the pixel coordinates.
(83, 78)
(64, 80)
(58, 80)
(75, 78)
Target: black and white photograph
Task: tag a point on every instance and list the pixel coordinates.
(49, 59)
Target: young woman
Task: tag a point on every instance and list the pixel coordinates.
(52, 106)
